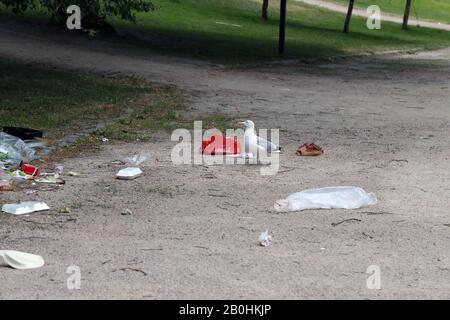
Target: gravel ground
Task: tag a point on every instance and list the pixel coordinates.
(193, 229)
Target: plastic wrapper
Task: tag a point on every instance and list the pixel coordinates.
(14, 150)
(326, 198)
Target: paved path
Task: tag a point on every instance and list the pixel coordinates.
(385, 17)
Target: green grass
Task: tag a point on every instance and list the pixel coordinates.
(59, 101)
(196, 28)
(63, 103)
(434, 10)
(232, 32)
(163, 114)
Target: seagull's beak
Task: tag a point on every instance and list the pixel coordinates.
(243, 123)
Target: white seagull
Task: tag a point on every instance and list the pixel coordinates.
(255, 144)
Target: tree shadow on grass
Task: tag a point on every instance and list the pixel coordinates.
(314, 42)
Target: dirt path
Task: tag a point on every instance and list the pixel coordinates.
(385, 17)
(194, 229)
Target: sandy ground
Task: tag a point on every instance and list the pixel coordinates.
(194, 229)
(384, 16)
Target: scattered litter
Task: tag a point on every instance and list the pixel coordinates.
(133, 172)
(19, 175)
(265, 239)
(73, 174)
(59, 171)
(24, 207)
(126, 212)
(309, 150)
(120, 162)
(136, 160)
(105, 139)
(29, 169)
(129, 173)
(50, 179)
(21, 260)
(221, 145)
(31, 191)
(64, 210)
(13, 150)
(326, 198)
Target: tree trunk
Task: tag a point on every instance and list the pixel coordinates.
(406, 15)
(349, 15)
(265, 6)
(282, 36)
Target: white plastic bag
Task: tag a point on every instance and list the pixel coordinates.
(326, 198)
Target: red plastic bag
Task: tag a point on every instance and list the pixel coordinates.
(220, 145)
(29, 169)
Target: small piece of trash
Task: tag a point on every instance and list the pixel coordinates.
(73, 174)
(64, 210)
(21, 260)
(105, 139)
(51, 180)
(29, 169)
(59, 171)
(24, 207)
(126, 212)
(129, 173)
(265, 239)
(218, 144)
(137, 159)
(19, 175)
(341, 197)
(118, 162)
(309, 150)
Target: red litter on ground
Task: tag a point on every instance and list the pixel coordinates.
(29, 169)
(220, 145)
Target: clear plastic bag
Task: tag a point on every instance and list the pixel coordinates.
(137, 159)
(16, 150)
(326, 198)
(265, 239)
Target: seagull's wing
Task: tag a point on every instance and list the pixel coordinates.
(267, 145)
